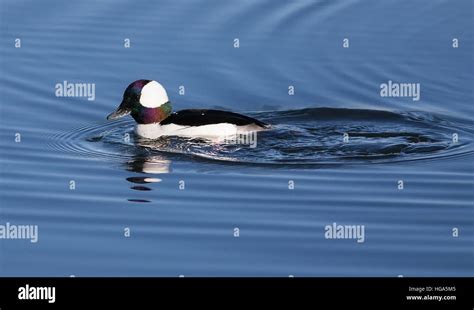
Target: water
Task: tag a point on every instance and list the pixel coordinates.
(181, 198)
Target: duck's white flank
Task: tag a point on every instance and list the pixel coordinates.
(213, 132)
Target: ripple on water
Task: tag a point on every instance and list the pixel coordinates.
(308, 136)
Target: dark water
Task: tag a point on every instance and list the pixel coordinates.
(341, 146)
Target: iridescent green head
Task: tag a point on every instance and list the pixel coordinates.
(146, 101)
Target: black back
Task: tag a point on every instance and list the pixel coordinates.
(194, 117)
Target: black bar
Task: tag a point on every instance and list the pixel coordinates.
(331, 292)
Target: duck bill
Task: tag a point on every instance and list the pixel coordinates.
(120, 112)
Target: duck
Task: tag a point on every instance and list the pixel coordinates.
(148, 103)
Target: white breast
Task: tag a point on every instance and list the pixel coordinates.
(213, 132)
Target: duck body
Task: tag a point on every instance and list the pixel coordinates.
(211, 124)
(148, 103)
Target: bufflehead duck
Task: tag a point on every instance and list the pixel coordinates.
(148, 103)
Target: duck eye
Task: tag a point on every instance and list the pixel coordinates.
(133, 97)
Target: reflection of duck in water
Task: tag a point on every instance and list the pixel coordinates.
(148, 104)
(151, 165)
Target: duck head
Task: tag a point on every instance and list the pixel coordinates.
(146, 101)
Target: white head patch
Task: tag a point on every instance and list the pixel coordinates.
(153, 95)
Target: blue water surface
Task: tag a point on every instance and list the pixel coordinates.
(182, 201)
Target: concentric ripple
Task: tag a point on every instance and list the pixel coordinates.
(308, 136)
(111, 140)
